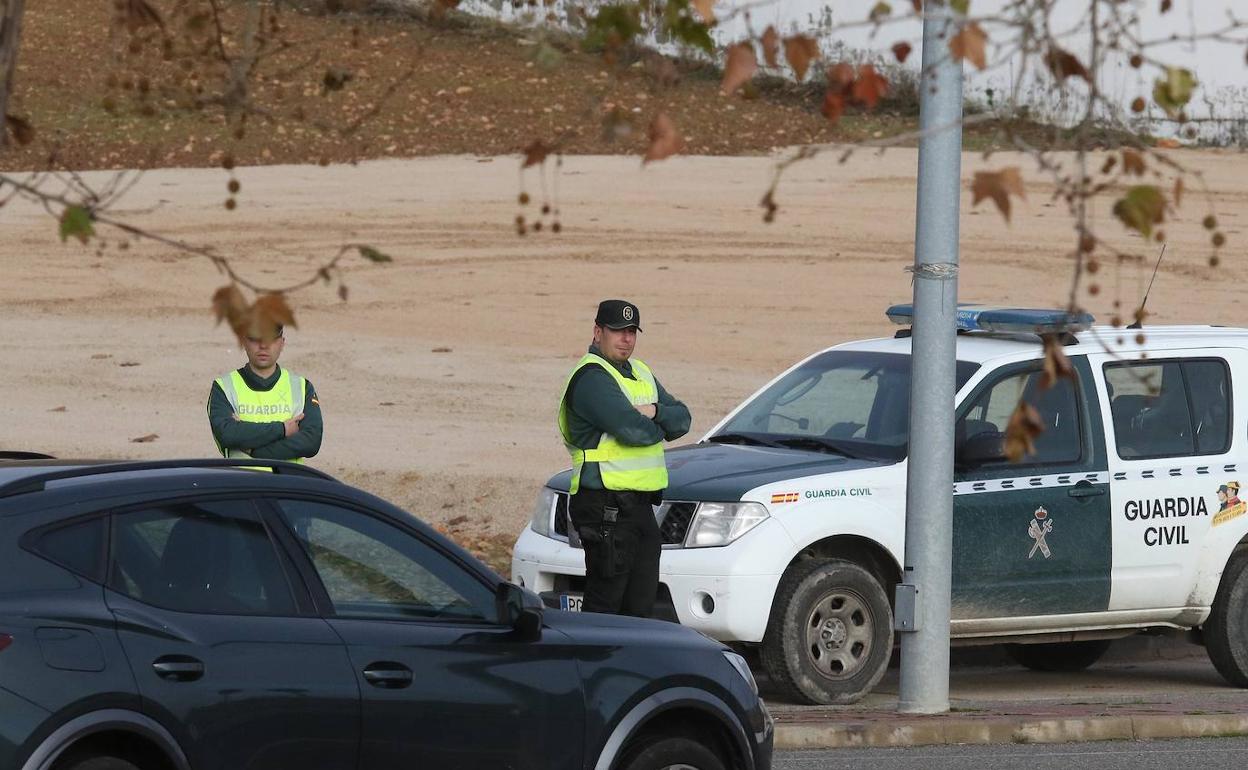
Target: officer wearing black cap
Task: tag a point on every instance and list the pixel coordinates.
(614, 417)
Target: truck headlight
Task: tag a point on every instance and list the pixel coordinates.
(543, 512)
(721, 523)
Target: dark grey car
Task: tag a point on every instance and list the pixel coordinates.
(198, 614)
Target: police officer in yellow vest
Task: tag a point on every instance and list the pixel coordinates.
(265, 411)
(614, 417)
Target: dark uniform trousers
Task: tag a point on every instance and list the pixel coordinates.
(621, 559)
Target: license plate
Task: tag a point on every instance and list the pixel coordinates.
(571, 602)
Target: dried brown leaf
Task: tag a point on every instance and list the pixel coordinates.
(23, 132)
(1178, 192)
(869, 87)
(536, 153)
(841, 77)
(1133, 163)
(706, 9)
(665, 141)
(971, 44)
(771, 47)
(833, 104)
(1064, 64)
(800, 51)
(1021, 432)
(145, 439)
(229, 303)
(902, 51)
(268, 313)
(999, 186)
(1056, 364)
(740, 66)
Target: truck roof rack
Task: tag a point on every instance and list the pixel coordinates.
(38, 481)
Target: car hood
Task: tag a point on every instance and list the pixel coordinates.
(725, 472)
(617, 630)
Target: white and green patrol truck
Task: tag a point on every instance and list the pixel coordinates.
(784, 525)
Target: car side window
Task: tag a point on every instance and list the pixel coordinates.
(78, 546)
(207, 557)
(372, 569)
(1061, 441)
(1169, 408)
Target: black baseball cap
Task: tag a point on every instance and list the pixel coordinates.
(618, 314)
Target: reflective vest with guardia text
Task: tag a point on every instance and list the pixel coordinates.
(633, 468)
(277, 404)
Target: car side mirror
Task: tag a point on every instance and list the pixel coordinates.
(981, 449)
(515, 612)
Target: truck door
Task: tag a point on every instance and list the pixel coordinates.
(1031, 538)
(1173, 471)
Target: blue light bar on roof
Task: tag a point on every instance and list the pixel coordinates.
(988, 318)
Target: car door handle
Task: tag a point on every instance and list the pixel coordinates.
(1085, 489)
(178, 668)
(388, 675)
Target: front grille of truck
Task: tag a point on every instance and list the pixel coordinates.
(673, 522)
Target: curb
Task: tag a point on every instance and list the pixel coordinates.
(942, 730)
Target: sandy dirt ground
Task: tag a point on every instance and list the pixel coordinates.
(440, 377)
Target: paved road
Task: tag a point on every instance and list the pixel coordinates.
(1204, 753)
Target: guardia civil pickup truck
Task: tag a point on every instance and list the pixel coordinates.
(784, 525)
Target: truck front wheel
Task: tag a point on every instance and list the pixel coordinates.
(830, 635)
(1226, 630)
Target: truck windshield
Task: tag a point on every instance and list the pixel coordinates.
(854, 403)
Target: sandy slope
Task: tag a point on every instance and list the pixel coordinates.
(727, 301)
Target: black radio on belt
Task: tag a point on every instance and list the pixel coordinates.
(609, 515)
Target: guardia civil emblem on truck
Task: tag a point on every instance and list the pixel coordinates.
(1039, 528)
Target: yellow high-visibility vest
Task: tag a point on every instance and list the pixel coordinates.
(633, 468)
(277, 404)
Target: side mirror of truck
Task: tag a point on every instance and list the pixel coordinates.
(981, 449)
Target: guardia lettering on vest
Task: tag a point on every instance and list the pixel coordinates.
(264, 409)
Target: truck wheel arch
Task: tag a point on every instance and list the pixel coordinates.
(863, 551)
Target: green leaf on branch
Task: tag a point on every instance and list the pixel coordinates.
(881, 11)
(679, 22)
(76, 222)
(1142, 207)
(373, 255)
(613, 26)
(1174, 91)
(961, 6)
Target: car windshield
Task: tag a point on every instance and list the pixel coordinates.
(846, 402)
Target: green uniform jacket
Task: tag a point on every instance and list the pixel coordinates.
(265, 440)
(596, 405)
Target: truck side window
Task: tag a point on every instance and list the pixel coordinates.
(1209, 392)
(1061, 441)
(1169, 408)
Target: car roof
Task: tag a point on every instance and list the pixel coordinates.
(983, 347)
(26, 476)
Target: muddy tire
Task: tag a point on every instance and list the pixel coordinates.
(1226, 630)
(830, 635)
(1062, 656)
